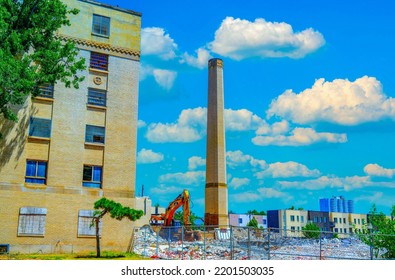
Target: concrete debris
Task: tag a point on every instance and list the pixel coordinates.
(243, 244)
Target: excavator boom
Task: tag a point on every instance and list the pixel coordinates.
(181, 200)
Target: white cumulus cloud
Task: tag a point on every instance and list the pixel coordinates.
(340, 101)
(149, 156)
(198, 61)
(236, 183)
(190, 178)
(373, 169)
(239, 39)
(299, 137)
(190, 127)
(238, 158)
(286, 170)
(155, 41)
(259, 195)
(165, 78)
(195, 162)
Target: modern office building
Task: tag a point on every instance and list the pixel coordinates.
(242, 220)
(289, 222)
(336, 204)
(71, 147)
(321, 219)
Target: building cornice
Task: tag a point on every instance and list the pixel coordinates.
(114, 50)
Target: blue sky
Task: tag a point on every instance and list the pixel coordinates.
(309, 100)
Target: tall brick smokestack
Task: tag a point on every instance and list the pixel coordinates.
(216, 192)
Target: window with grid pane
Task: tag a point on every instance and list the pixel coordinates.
(46, 91)
(97, 97)
(94, 134)
(99, 61)
(85, 225)
(32, 221)
(92, 176)
(40, 127)
(36, 172)
(101, 25)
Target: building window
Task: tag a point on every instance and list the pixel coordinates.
(345, 230)
(320, 219)
(293, 229)
(341, 230)
(340, 220)
(355, 221)
(344, 220)
(315, 219)
(86, 225)
(46, 91)
(94, 134)
(302, 219)
(324, 219)
(36, 172)
(336, 230)
(101, 25)
(240, 221)
(297, 218)
(335, 220)
(359, 221)
(97, 97)
(92, 176)
(40, 127)
(99, 61)
(292, 218)
(264, 221)
(32, 221)
(363, 221)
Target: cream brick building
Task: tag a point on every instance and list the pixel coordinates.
(73, 146)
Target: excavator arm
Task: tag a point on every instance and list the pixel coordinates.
(181, 200)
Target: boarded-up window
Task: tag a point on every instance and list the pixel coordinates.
(86, 226)
(32, 221)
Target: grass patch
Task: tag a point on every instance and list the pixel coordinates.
(106, 255)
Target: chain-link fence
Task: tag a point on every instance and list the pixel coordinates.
(240, 243)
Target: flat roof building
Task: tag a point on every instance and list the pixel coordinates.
(71, 147)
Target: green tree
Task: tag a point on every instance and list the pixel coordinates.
(379, 233)
(255, 212)
(253, 223)
(179, 215)
(31, 54)
(311, 230)
(116, 211)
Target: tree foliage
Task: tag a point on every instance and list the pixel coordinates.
(116, 211)
(255, 212)
(311, 230)
(253, 223)
(380, 233)
(30, 52)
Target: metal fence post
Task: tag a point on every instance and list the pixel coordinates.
(249, 244)
(157, 244)
(371, 246)
(320, 245)
(204, 242)
(231, 242)
(268, 243)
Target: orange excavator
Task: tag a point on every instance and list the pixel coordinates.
(167, 217)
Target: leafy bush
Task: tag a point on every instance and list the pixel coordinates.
(311, 230)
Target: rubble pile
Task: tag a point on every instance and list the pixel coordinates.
(243, 245)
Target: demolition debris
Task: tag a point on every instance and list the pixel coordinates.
(242, 244)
